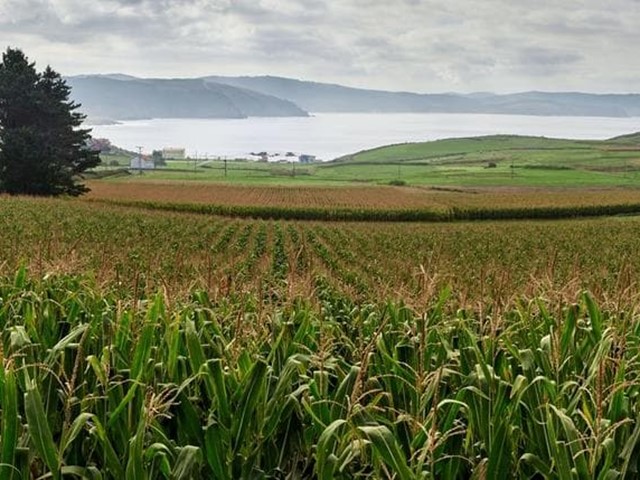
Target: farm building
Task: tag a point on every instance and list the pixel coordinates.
(141, 163)
(174, 154)
(306, 158)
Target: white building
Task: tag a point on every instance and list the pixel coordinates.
(141, 163)
(172, 153)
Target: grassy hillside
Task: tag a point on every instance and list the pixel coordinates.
(498, 160)
(632, 138)
(491, 161)
(453, 148)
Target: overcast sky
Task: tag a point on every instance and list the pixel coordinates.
(417, 45)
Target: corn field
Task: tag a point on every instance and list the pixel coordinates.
(368, 203)
(358, 198)
(136, 253)
(162, 345)
(95, 388)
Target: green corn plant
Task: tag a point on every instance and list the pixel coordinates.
(10, 421)
(93, 383)
(39, 429)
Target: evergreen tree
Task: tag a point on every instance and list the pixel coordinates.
(42, 147)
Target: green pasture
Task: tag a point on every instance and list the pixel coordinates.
(500, 160)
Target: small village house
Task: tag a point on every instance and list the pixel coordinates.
(304, 158)
(172, 153)
(141, 163)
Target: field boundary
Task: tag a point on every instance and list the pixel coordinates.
(382, 215)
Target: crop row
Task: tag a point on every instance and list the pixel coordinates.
(361, 197)
(365, 197)
(96, 387)
(150, 344)
(425, 214)
(141, 252)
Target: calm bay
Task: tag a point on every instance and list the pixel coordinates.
(330, 135)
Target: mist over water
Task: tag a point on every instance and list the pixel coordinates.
(330, 135)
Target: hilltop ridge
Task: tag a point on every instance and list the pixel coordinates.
(120, 97)
(327, 97)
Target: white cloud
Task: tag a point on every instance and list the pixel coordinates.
(424, 45)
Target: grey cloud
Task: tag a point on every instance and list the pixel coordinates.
(425, 45)
(533, 56)
(580, 25)
(280, 43)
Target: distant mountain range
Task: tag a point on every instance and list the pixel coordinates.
(122, 97)
(323, 97)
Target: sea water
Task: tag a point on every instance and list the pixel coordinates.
(331, 135)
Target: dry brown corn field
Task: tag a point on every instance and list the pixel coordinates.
(141, 252)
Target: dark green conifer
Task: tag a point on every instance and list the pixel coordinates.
(42, 147)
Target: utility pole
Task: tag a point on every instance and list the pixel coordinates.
(139, 160)
(225, 167)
